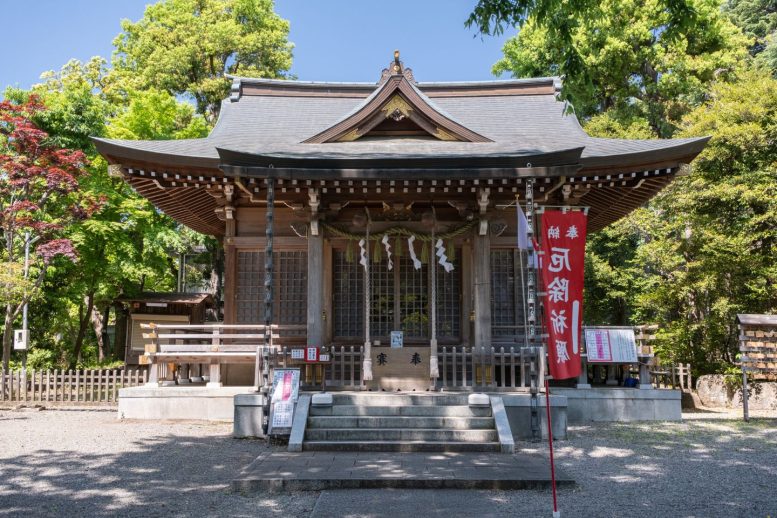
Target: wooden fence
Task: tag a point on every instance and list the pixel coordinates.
(461, 368)
(68, 387)
(506, 368)
(672, 376)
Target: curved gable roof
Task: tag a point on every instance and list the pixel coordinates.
(396, 99)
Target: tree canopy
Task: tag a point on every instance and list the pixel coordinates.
(185, 47)
(40, 198)
(639, 67)
(562, 21)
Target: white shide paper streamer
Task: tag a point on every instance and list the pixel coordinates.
(363, 254)
(416, 261)
(387, 246)
(447, 265)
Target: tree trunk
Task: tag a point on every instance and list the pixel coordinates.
(83, 324)
(105, 335)
(120, 336)
(98, 323)
(7, 336)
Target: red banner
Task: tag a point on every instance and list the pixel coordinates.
(563, 244)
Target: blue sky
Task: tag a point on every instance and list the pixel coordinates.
(335, 40)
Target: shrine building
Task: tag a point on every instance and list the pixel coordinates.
(388, 211)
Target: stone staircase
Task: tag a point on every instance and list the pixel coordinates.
(400, 423)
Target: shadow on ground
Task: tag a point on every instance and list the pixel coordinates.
(169, 475)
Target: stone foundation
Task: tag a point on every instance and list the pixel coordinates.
(621, 404)
(518, 408)
(188, 402)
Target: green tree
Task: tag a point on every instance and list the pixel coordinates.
(156, 115)
(640, 69)
(706, 248)
(40, 197)
(758, 20)
(562, 21)
(128, 246)
(185, 47)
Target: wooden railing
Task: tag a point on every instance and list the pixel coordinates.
(175, 348)
(68, 387)
(343, 371)
(507, 368)
(672, 376)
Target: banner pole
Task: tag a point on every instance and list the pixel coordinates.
(556, 513)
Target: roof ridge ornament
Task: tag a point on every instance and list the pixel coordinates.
(396, 68)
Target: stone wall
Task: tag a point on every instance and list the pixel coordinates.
(621, 404)
(714, 393)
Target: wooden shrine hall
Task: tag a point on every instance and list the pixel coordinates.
(350, 212)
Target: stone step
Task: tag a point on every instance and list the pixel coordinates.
(452, 423)
(420, 411)
(399, 434)
(399, 399)
(401, 446)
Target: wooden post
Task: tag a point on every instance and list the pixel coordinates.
(153, 372)
(316, 325)
(230, 277)
(690, 380)
(215, 375)
(582, 379)
(481, 252)
(268, 288)
(745, 397)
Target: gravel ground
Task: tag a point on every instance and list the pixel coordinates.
(87, 463)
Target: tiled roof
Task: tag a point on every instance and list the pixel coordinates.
(276, 125)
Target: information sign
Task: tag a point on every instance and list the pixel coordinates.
(283, 396)
(20, 337)
(311, 354)
(397, 339)
(610, 345)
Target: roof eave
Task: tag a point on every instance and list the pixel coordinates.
(121, 153)
(682, 153)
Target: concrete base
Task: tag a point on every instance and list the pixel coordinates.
(621, 404)
(518, 408)
(199, 403)
(249, 415)
(312, 471)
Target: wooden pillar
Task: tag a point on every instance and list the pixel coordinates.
(230, 280)
(262, 366)
(481, 262)
(230, 259)
(316, 324)
(466, 299)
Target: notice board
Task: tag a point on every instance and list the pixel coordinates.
(283, 396)
(610, 345)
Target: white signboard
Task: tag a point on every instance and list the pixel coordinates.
(20, 339)
(284, 393)
(298, 354)
(397, 339)
(610, 345)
